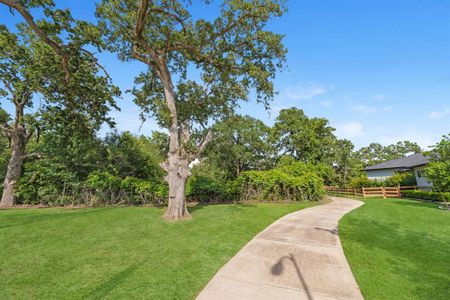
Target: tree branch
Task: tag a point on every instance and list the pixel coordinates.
(202, 146)
(30, 21)
(164, 165)
(8, 86)
(32, 156)
(172, 15)
(6, 129)
(59, 49)
(96, 62)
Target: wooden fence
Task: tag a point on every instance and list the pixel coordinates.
(365, 192)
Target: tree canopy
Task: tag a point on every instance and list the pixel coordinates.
(376, 153)
(307, 139)
(240, 144)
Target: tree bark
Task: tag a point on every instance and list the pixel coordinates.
(15, 167)
(177, 174)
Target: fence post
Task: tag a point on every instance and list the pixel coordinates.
(399, 191)
(383, 190)
(364, 192)
(354, 191)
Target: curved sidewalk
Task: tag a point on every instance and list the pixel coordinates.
(298, 257)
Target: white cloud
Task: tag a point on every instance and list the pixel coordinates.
(439, 114)
(326, 103)
(305, 91)
(424, 140)
(379, 97)
(350, 129)
(368, 109)
(363, 108)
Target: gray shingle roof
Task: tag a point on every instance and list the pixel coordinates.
(404, 162)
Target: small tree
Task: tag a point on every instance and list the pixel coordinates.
(346, 164)
(438, 170)
(29, 67)
(229, 56)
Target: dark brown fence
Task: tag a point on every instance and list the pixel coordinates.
(366, 192)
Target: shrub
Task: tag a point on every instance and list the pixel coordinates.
(277, 184)
(433, 196)
(363, 181)
(294, 167)
(403, 179)
(110, 189)
(205, 189)
(49, 183)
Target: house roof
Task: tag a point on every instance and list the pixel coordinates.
(404, 162)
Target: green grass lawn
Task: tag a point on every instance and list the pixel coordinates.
(398, 249)
(122, 252)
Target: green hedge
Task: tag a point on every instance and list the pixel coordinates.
(278, 185)
(433, 196)
(105, 188)
(205, 189)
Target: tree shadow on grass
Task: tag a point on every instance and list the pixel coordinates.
(103, 289)
(415, 256)
(231, 206)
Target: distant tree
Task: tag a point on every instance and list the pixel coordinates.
(376, 153)
(29, 67)
(240, 144)
(438, 170)
(232, 54)
(346, 164)
(402, 149)
(307, 139)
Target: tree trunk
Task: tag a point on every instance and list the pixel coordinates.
(14, 170)
(177, 174)
(177, 165)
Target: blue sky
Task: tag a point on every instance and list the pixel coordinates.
(379, 70)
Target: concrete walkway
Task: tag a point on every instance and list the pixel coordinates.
(298, 257)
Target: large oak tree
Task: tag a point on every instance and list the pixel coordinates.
(198, 69)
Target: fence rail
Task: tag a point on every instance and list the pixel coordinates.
(365, 192)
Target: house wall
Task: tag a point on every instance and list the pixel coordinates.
(422, 181)
(382, 174)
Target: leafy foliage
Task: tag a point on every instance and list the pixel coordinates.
(402, 179)
(82, 169)
(433, 196)
(105, 188)
(284, 183)
(307, 139)
(376, 153)
(438, 171)
(240, 144)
